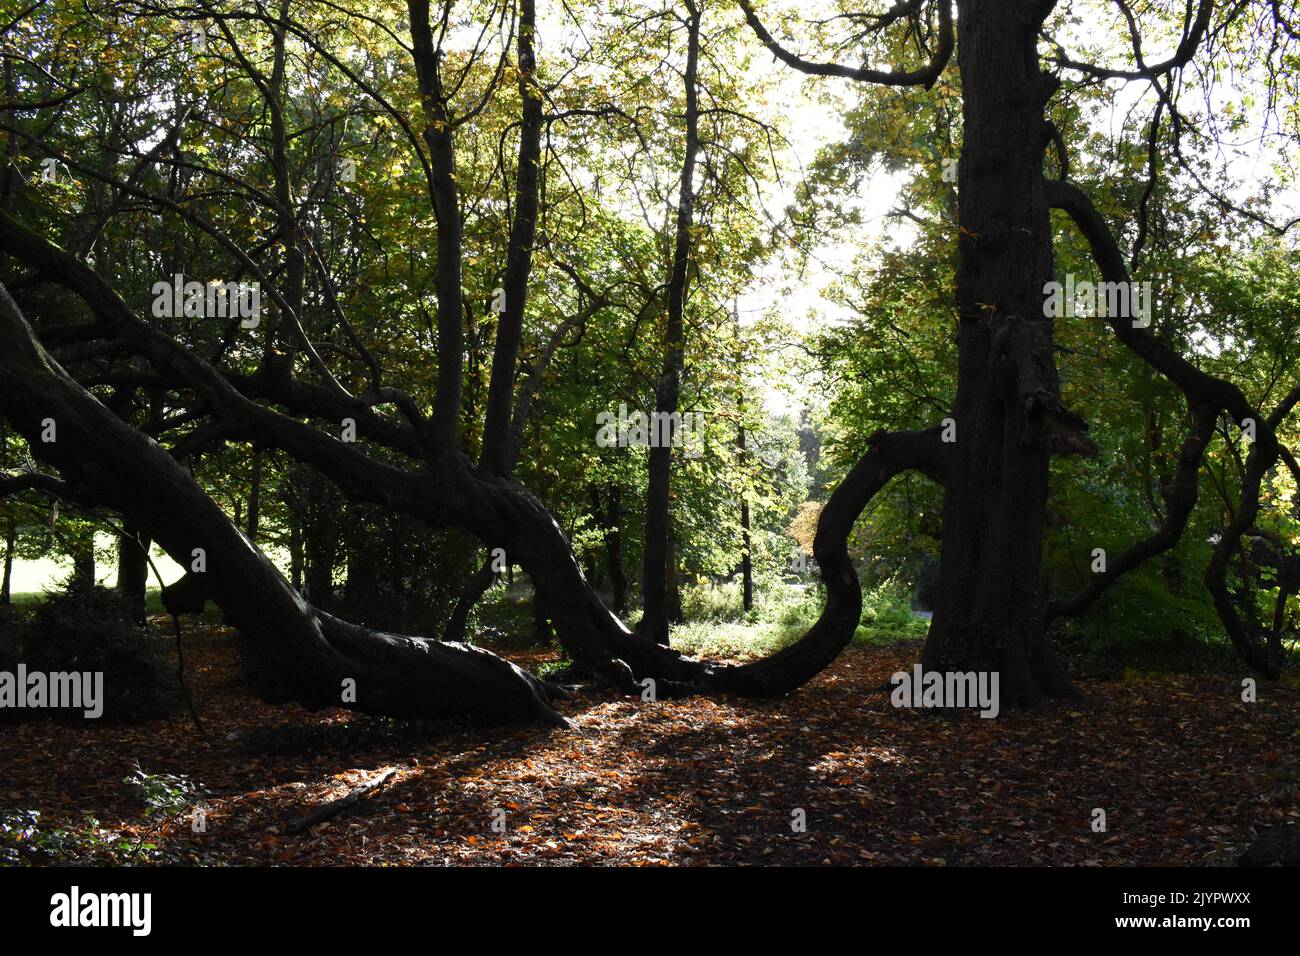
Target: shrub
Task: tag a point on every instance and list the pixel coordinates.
(90, 629)
(887, 616)
(716, 626)
(402, 576)
(24, 842)
(714, 602)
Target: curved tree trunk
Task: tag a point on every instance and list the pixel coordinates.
(292, 645)
(296, 652)
(287, 639)
(596, 640)
(1007, 417)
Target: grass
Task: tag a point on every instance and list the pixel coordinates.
(29, 599)
(716, 626)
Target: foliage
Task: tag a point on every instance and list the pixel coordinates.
(887, 615)
(168, 798)
(90, 630)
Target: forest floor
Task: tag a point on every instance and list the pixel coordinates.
(1181, 766)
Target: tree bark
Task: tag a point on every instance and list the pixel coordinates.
(496, 457)
(133, 569)
(296, 652)
(658, 571)
(6, 582)
(1008, 418)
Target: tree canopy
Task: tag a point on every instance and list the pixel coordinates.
(332, 302)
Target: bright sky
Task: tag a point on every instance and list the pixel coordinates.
(31, 576)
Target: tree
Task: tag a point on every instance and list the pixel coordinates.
(1008, 419)
(660, 568)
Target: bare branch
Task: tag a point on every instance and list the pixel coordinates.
(925, 76)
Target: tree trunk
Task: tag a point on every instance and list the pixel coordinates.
(1007, 416)
(133, 569)
(83, 565)
(614, 556)
(296, 644)
(476, 585)
(255, 496)
(295, 551)
(497, 457)
(320, 541)
(295, 652)
(658, 573)
(609, 515)
(542, 632)
(674, 603)
(746, 559)
(6, 583)
(746, 562)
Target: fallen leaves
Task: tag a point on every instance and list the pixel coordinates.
(1181, 771)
